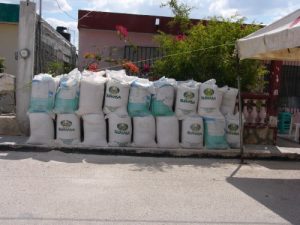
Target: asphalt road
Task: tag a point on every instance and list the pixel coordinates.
(58, 188)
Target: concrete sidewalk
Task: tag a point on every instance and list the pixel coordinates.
(284, 150)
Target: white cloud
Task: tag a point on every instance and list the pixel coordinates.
(54, 6)
(221, 7)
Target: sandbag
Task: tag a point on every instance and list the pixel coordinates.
(67, 129)
(92, 87)
(233, 130)
(229, 101)
(163, 97)
(67, 96)
(119, 130)
(117, 91)
(144, 131)
(94, 130)
(41, 129)
(192, 132)
(186, 99)
(209, 95)
(139, 98)
(167, 132)
(214, 131)
(43, 91)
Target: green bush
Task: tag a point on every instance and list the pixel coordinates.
(207, 51)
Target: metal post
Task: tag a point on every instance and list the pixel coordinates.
(240, 121)
(241, 126)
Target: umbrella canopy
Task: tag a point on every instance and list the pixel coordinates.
(277, 41)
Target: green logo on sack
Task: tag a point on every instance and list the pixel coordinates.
(233, 127)
(189, 95)
(66, 123)
(195, 127)
(114, 90)
(122, 126)
(209, 92)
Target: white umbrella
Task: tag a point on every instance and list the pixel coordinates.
(277, 41)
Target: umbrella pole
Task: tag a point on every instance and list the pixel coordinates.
(240, 111)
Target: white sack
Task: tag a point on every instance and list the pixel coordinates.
(92, 87)
(167, 131)
(119, 130)
(214, 131)
(117, 91)
(229, 101)
(233, 130)
(41, 129)
(209, 95)
(67, 129)
(144, 131)
(192, 132)
(94, 130)
(186, 99)
(162, 101)
(43, 89)
(139, 98)
(67, 96)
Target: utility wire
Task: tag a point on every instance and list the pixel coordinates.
(69, 15)
(171, 55)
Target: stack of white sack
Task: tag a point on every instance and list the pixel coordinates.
(41, 129)
(233, 130)
(214, 130)
(67, 129)
(186, 98)
(144, 132)
(210, 97)
(139, 98)
(67, 96)
(167, 132)
(66, 103)
(119, 129)
(117, 91)
(162, 101)
(43, 91)
(192, 132)
(92, 86)
(94, 127)
(229, 100)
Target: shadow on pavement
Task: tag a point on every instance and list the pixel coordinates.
(279, 195)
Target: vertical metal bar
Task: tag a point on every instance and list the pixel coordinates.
(240, 111)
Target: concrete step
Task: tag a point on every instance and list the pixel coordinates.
(9, 125)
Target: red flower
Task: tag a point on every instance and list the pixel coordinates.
(93, 67)
(131, 67)
(122, 31)
(180, 37)
(146, 68)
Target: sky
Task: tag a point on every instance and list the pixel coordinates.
(64, 12)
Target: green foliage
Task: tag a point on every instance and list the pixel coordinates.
(2, 67)
(181, 14)
(56, 68)
(208, 51)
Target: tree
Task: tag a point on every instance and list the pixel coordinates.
(207, 50)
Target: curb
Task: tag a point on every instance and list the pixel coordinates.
(156, 152)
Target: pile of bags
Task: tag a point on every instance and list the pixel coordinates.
(110, 108)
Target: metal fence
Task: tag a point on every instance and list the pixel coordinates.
(142, 55)
(290, 85)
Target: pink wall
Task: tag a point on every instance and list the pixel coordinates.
(101, 41)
